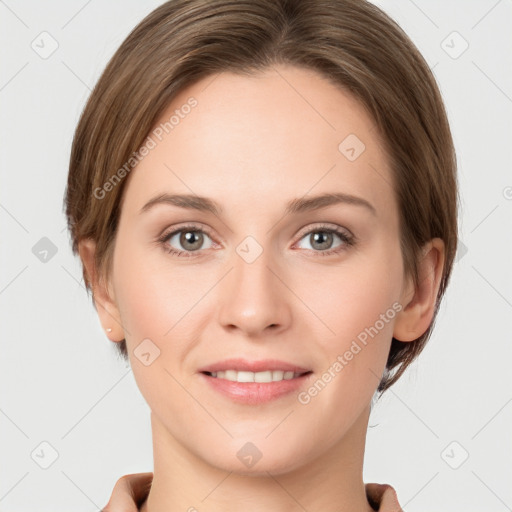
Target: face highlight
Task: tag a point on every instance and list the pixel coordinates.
(263, 225)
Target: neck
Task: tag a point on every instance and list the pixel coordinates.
(330, 482)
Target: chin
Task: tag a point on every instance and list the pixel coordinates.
(249, 460)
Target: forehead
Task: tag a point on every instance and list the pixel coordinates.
(284, 132)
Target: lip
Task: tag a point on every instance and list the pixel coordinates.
(254, 393)
(241, 364)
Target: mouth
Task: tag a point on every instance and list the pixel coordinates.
(256, 388)
(265, 376)
(254, 382)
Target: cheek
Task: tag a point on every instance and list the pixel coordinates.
(153, 295)
(349, 299)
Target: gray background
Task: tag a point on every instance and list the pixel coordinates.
(61, 381)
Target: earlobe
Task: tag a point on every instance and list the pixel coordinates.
(419, 303)
(104, 301)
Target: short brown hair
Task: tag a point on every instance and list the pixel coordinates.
(350, 42)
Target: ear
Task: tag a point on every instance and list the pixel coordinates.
(418, 304)
(104, 299)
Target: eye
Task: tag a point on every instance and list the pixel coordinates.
(321, 240)
(189, 239)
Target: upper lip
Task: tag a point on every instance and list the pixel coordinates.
(262, 365)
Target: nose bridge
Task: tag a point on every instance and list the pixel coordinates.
(255, 298)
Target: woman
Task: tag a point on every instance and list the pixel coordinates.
(263, 196)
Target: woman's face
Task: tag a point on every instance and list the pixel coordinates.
(265, 276)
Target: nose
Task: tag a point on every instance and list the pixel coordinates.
(254, 299)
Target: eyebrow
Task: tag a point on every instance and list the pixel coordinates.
(298, 205)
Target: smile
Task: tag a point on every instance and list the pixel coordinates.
(264, 376)
(256, 388)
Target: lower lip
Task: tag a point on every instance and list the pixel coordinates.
(254, 393)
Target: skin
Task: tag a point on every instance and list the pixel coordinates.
(252, 144)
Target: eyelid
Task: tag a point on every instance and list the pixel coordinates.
(326, 226)
(182, 227)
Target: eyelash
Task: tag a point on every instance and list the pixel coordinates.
(349, 240)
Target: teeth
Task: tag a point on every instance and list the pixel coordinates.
(266, 376)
